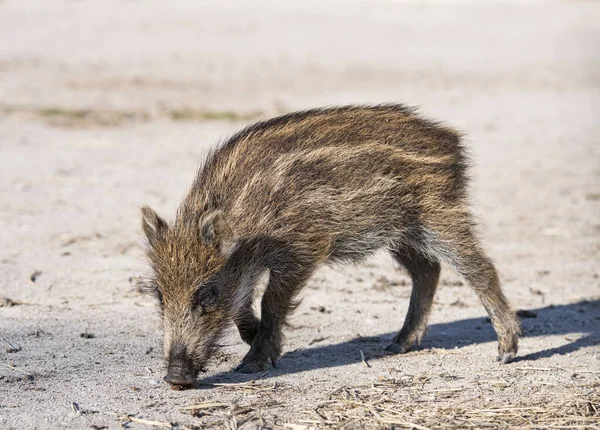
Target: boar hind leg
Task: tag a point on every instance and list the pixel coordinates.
(459, 245)
(480, 273)
(425, 274)
(285, 281)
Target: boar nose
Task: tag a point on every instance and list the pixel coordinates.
(179, 370)
(175, 378)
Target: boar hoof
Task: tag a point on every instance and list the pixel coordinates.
(250, 367)
(396, 348)
(506, 358)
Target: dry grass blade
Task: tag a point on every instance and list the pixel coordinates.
(205, 405)
(17, 369)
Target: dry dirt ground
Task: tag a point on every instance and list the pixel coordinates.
(105, 106)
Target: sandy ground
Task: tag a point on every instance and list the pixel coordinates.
(105, 106)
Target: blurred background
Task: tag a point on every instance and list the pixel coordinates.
(506, 70)
(109, 105)
(165, 59)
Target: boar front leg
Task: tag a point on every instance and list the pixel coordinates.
(246, 322)
(285, 281)
(244, 318)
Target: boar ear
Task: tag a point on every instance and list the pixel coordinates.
(154, 226)
(215, 231)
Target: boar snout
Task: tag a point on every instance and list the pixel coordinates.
(176, 378)
(180, 370)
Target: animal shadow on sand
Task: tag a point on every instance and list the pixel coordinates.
(581, 318)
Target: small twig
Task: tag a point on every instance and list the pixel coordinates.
(405, 424)
(239, 410)
(546, 426)
(332, 392)
(295, 426)
(6, 302)
(93, 305)
(129, 418)
(227, 384)
(444, 390)
(542, 369)
(249, 384)
(493, 410)
(363, 359)
(12, 348)
(436, 351)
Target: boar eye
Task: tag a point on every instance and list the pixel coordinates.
(204, 298)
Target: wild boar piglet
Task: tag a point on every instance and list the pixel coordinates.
(289, 194)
